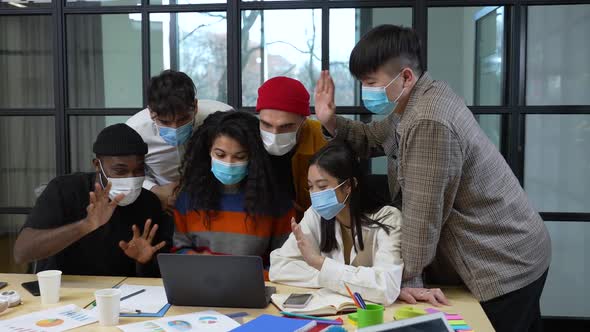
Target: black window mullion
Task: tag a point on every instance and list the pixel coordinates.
(60, 89)
(234, 56)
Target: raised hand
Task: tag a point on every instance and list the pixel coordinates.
(101, 208)
(325, 108)
(309, 250)
(140, 247)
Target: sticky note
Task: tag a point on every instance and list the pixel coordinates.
(456, 322)
(453, 317)
(431, 310)
(460, 327)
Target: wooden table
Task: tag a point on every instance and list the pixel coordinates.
(79, 290)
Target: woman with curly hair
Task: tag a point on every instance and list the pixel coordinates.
(228, 202)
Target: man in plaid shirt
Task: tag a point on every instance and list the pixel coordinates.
(460, 201)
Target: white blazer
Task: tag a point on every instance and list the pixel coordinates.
(163, 160)
(375, 272)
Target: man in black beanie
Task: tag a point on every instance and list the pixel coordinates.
(100, 223)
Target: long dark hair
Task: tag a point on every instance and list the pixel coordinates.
(262, 197)
(339, 160)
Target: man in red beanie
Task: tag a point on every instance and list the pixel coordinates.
(288, 135)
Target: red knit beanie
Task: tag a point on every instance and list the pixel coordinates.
(283, 94)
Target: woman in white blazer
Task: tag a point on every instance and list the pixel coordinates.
(347, 237)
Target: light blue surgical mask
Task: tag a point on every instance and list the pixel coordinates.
(375, 98)
(326, 204)
(176, 136)
(229, 173)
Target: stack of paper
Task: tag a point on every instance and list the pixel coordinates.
(54, 320)
(210, 321)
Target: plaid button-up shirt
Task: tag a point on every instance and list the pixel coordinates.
(459, 197)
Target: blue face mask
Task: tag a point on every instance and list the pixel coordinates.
(229, 173)
(326, 204)
(176, 136)
(375, 98)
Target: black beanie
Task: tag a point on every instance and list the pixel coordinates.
(119, 140)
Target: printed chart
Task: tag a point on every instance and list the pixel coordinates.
(206, 321)
(53, 320)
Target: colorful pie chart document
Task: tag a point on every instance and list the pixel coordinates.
(53, 320)
(204, 321)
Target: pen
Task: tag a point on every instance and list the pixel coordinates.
(358, 305)
(132, 294)
(360, 300)
(319, 319)
(237, 315)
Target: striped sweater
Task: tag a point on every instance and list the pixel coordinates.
(230, 231)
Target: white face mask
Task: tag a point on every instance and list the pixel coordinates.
(130, 187)
(278, 144)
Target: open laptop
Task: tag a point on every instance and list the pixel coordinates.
(214, 281)
(427, 323)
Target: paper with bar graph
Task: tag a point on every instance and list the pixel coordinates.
(53, 320)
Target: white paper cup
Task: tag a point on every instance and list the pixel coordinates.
(49, 285)
(108, 306)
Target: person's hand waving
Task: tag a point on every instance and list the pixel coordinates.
(101, 208)
(140, 247)
(309, 250)
(325, 108)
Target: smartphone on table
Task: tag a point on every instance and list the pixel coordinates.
(32, 287)
(297, 301)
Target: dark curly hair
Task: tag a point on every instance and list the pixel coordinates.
(262, 195)
(339, 160)
(170, 93)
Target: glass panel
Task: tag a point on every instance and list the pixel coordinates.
(346, 27)
(492, 126)
(102, 3)
(558, 70)
(557, 162)
(195, 43)
(27, 161)
(26, 58)
(10, 226)
(83, 132)
(466, 49)
(104, 60)
(24, 4)
(566, 291)
(279, 43)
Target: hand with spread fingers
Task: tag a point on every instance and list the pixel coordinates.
(101, 208)
(140, 247)
(434, 296)
(325, 108)
(309, 250)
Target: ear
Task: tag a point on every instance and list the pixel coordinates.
(96, 164)
(350, 185)
(196, 106)
(408, 76)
